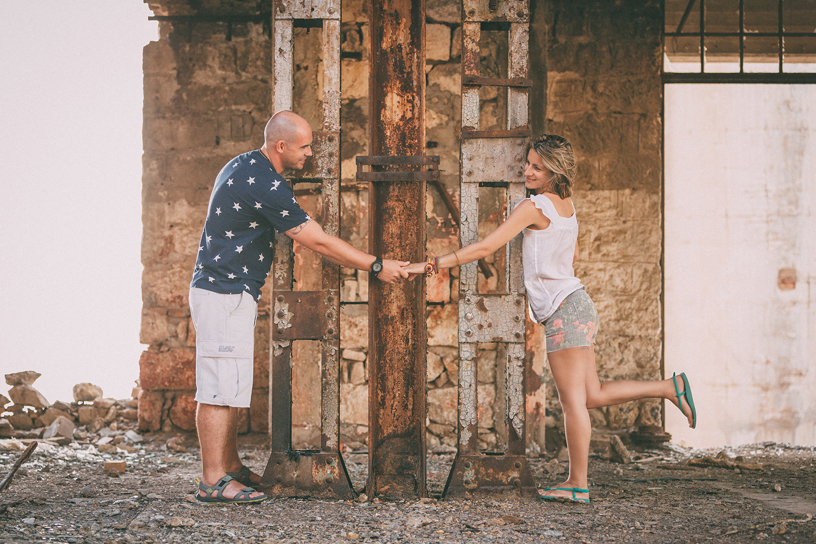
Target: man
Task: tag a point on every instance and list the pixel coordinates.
(249, 202)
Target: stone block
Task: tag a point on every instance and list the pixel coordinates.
(440, 430)
(438, 287)
(354, 327)
(435, 366)
(85, 392)
(443, 325)
(104, 404)
(650, 413)
(442, 11)
(183, 412)
(565, 94)
(640, 205)
(486, 366)
(87, 414)
(352, 355)
(150, 410)
(167, 286)
(437, 42)
(158, 58)
(259, 411)
(357, 374)
(21, 421)
(354, 75)
(486, 397)
(27, 377)
(50, 415)
(447, 77)
(174, 369)
(62, 426)
(442, 406)
(456, 43)
(25, 395)
(354, 404)
(4, 401)
(6, 429)
(621, 416)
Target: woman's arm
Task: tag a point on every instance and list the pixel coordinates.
(525, 215)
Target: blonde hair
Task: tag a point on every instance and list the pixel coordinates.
(557, 155)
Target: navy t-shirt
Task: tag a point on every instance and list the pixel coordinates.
(248, 203)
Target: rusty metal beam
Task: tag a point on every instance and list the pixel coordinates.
(397, 331)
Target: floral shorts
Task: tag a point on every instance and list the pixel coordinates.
(573, 325)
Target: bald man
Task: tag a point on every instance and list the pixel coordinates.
(249, 203)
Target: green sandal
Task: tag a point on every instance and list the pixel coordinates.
(687, 393)
(242, 497)
(243, 476)
(573, 499)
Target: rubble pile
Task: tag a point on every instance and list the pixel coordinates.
(25, 415)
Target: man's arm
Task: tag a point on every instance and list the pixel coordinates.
(312, 235)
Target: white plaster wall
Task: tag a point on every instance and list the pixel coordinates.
(740, 204)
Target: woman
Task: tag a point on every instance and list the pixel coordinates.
(557, 300)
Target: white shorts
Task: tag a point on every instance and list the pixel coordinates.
(225, 345)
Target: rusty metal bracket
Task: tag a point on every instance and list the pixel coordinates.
(520, 132)
(307, 473)
(499, 475)
(497, 81)
(429, 161)
(492, 318)
(303, 315)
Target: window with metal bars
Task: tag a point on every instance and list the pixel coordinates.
(740, 41)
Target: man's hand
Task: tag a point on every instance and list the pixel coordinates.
(393, 270)
(415, 269)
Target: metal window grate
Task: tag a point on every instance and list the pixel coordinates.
(740, 41)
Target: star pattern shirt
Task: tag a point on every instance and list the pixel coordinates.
(249, 202)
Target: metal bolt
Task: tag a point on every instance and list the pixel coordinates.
(468, 316)
(468, 464)
(471, 12)
(489, 324)
(521, 172)
(469, 173)
(330, 461)
(280, 299)
(329, 480)
(517, 483)
(331, 331)
(468, 332)
(517, 335)
(281, 314)
(468, 299)
(517, 318)
(519, 143)
(279, 479)
(517, 464)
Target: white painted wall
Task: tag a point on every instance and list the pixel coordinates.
(740, 204)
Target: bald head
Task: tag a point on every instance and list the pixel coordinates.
(287, 141)
(285, 125)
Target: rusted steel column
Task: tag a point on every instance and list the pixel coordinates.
(397, 336)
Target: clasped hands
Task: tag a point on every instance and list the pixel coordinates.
(394, 270)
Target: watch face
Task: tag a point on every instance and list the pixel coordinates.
(376, 268)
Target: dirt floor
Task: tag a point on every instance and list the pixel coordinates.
(63, 494)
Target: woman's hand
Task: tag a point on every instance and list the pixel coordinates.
(414, 270)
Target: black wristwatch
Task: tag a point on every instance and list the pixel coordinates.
(376, 266)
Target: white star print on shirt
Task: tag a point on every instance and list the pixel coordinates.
(257, 205)
(247, 286)
(253, 225)
(211, 279)
(237, 207)
(252, 161)
(275, 185)
(246, 270)
(294, 200)
(260, 257)
(229, 234)
(200, 266)
(231, 276)
(200, 248)
(218, 211)
(216, 258)
(284, 213)
(209, 239)
(236, 164)
(251, 181)
(229, 182)
(239, 249)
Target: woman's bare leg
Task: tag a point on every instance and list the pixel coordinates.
(569, 369)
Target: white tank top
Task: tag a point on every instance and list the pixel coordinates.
(547, 256)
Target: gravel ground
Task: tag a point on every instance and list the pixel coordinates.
(63, 494)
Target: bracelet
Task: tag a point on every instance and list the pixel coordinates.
(432, 266)
(457, 258)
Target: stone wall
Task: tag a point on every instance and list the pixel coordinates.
(207, 97)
